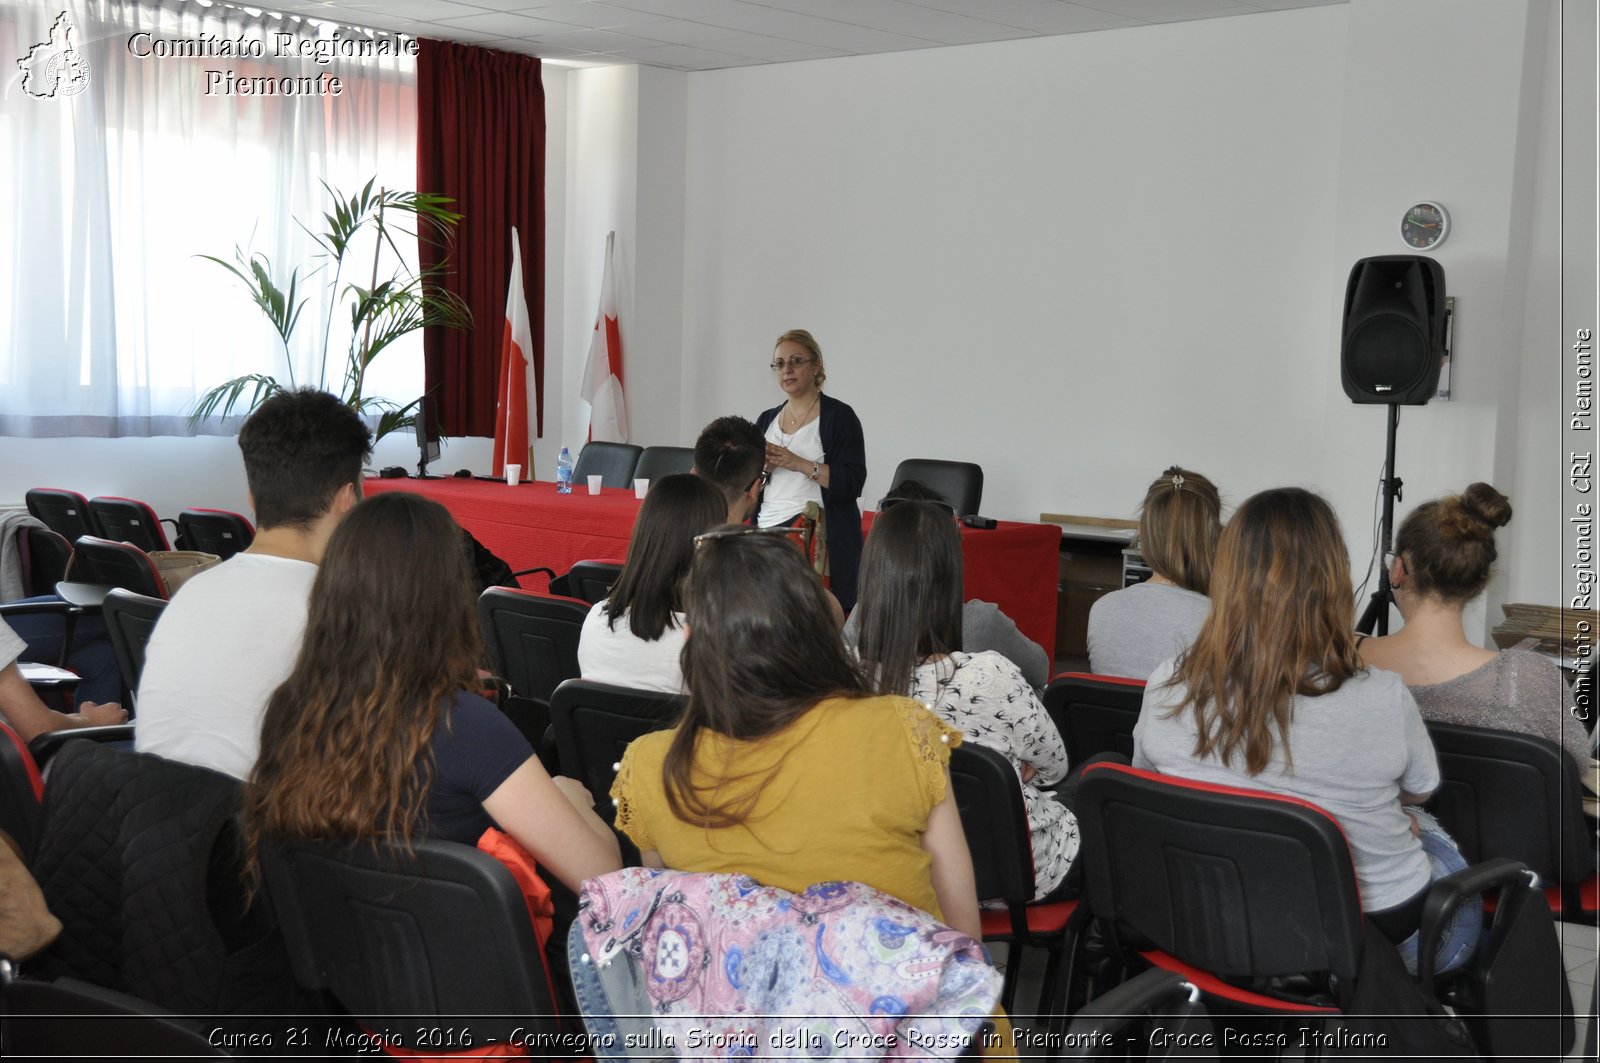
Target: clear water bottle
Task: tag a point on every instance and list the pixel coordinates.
(564, 471)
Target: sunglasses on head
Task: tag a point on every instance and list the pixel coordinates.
(740, 532)
(891, 501)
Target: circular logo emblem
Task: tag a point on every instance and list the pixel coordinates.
(70, 72)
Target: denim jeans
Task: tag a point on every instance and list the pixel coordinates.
(1460, 938)
(614, 1003)
(91, 655)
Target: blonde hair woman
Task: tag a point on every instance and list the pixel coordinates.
(1272, 695)
(815, 453)
(1134, 629)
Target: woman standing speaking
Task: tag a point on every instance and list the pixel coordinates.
(815, 453)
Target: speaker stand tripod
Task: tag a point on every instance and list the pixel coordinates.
(1375, 618)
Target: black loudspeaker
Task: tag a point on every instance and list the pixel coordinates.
(1394, 330)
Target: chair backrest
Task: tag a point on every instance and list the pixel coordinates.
(594, 722)
(130, 620)
(442, 931)
(138, 857)
(44, 554)
(589, 580)
(959, 483)
(989, 796)
(1514, 795)
(1239, 883)
(1094, 713)
(21, 791)
(117, 564)
(215, 531)
(64, 512)
(612, 462)
(128, 520)
(657, 462)
(75, 1020)
(532, 638)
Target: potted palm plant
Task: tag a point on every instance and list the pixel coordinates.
(392, 300)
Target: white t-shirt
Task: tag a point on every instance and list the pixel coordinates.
(787, 491)
(227, 640)
(610, 654)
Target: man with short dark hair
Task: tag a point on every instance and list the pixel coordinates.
(730, 453)
(231, 634)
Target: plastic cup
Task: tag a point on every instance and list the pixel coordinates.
(513, 475)
(594, 484)
(640, 486)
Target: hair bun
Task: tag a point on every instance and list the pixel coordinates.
(1475, 513)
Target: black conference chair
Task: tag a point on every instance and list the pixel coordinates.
(64, 512)
(657, 462)
(1514, 795)
(993, 816)
(959, 483)
(215, 531)
(138, 857)
(594, 722)
(70, 1019)
(533, 645)
(101, 564)
(612, 462)
(130, 621)
(589, 580)
(127, 520)
(43, 557)
(1129, 1016)
(1094, 713)
(1252, 897)
(440, 935)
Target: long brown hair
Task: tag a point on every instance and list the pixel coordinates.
(1281, 624)
(1448, 544)
(762, 650)
(910, 604)
(391, 635)
(1179, 523)
(650, 588)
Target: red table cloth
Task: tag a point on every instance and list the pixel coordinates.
(1013, 566)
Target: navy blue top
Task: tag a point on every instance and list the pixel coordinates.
(844, 451)
(475, 749)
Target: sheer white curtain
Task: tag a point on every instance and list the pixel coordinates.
(109, 323)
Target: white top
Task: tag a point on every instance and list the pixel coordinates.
(787, 491)
(1352, 750)
(986, 697)
(227, 640)
(616, 655)
(11, 645)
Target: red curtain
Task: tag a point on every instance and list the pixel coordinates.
(480, 140)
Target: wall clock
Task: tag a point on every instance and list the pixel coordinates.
(1424, 226)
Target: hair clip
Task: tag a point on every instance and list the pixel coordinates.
(1177, 482)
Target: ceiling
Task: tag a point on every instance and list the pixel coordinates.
(713, 34)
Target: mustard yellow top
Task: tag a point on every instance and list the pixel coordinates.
(842, 793)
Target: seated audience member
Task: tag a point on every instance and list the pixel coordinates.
(983, 625)
(375, 733)
(785, 767)
(1134, 629)
(1442, 559)
(635, 637)
(28, 716)
(910, 620)
(1272, 696)
(230, 635)
(730, 453)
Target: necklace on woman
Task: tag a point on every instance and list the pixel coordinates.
(796, 422)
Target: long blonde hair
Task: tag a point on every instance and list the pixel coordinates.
(1281, 625)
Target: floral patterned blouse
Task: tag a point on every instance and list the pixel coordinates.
(986, 698)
